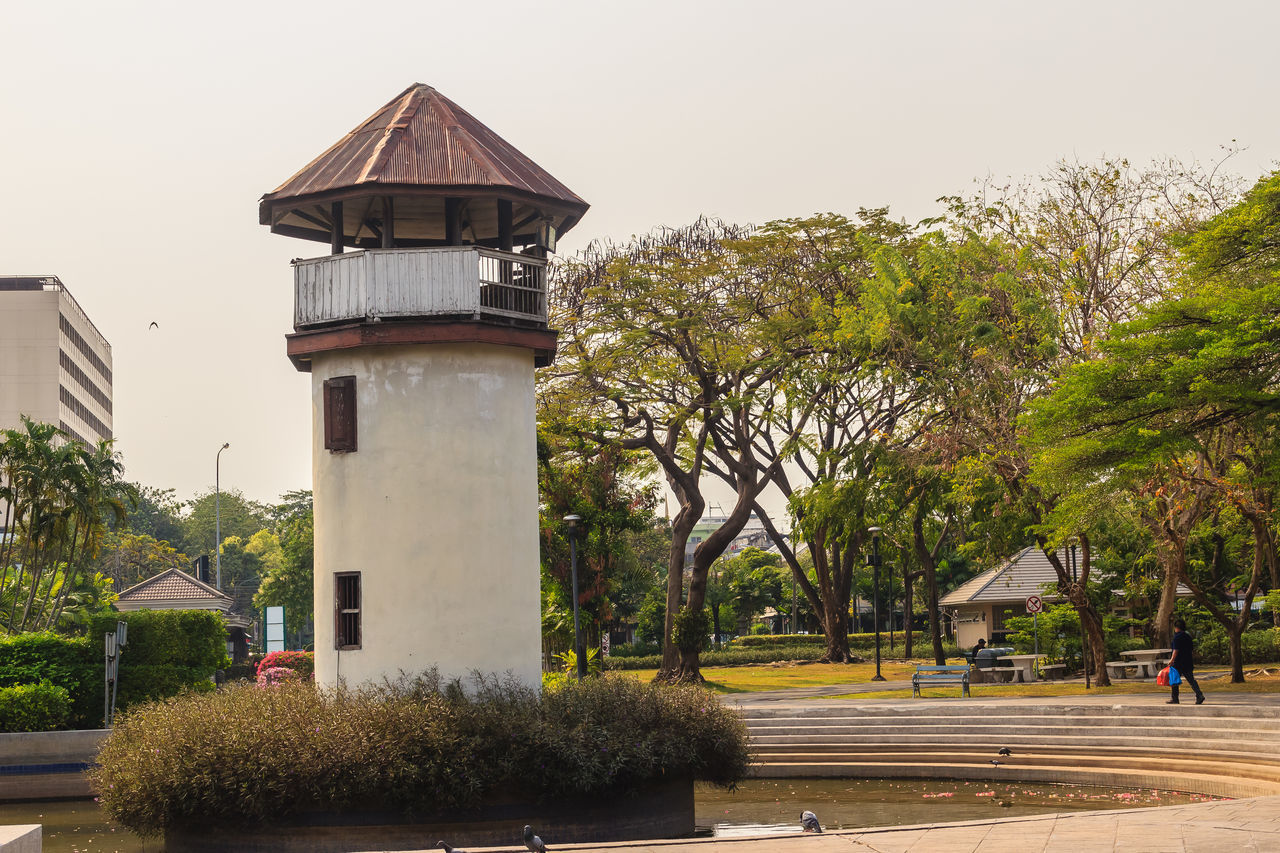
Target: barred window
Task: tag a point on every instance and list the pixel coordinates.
(346, 590)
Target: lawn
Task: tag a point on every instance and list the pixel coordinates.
(758, 678)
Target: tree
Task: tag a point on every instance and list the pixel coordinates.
(230, 512)
(156, 513)
(289, 583)
(58, 496)
(669, 345)
(1184, 400)
(602, 484)
(129, 558)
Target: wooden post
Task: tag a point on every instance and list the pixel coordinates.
(506, 231)
(388, 222)
(453, 221)
(335, 228)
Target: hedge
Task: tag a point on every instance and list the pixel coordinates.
(415, 747)
(168, 651)
(39, 707)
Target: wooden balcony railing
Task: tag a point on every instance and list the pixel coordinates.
(395, 283)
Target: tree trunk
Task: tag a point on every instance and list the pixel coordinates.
(1162, 629)
(929, 565)
(836, 627)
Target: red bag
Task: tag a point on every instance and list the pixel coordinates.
(1163, 677)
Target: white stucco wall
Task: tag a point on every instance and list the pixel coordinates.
(437, 508)
(973, 623)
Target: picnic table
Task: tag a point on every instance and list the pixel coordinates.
(1149, 661)
(1023, 665)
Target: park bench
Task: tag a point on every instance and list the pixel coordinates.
(1120, 668)
(927, 676)
(1053, 671)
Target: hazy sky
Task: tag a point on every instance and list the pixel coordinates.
(137, 138)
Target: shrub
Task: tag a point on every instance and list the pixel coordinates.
(636, 649)
(771, 641)
(277, 675)
(1256, 646)
(303, 663)
(70, 663)
(39, 707)
(418, 747)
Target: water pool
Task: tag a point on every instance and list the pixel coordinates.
(759, 807)
(773, 806)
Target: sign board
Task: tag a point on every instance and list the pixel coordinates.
(1034, 604)
(604, 644)
(273, 630)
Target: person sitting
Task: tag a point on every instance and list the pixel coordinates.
(981, 644)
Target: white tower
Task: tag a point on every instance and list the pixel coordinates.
(422, 345)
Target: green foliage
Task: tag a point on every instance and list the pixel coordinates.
(1212, 646)
(39, 707)
(569, 660)
(289, 582)
(417, 747)
(58, 496)
(689, 630)
(72, 664)
(775, 641)
(636, 649)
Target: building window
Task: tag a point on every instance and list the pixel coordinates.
(340, 414)
(346, 592)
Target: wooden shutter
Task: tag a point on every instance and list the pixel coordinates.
(340, 414)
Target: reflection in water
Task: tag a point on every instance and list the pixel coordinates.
(759, 807)
(773, 806)
(76, 826)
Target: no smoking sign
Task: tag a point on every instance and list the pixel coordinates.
(1034, 604)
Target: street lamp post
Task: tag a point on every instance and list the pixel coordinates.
(573, 523)
(217, 511)
(875, 593)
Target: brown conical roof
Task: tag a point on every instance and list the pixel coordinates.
(418, 149)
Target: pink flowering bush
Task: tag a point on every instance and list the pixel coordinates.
(276, 675)
(303, 663)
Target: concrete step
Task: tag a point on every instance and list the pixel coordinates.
(969, 708)
(1015, 740)
(950, 723)
(997, 730)
(1115, 754)
(1214, 784)
(1164, 763)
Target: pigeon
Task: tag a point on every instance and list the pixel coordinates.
(995, 763)
(533, 842)
(447, 849)
(809, 821)
(1004, 750)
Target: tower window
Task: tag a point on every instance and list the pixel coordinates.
(340, 414)
(346, 628)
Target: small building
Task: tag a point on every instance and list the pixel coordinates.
(980, 606)
(174, 589)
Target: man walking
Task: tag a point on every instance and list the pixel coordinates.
(1184, 661)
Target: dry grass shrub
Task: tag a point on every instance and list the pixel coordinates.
(418, 747)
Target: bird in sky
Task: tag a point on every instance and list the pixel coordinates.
(1004, 750)
(533, 842)
(809, 822)
(443, 845)
(154, 325)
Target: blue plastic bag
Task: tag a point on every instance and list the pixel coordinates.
(1174, 676)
